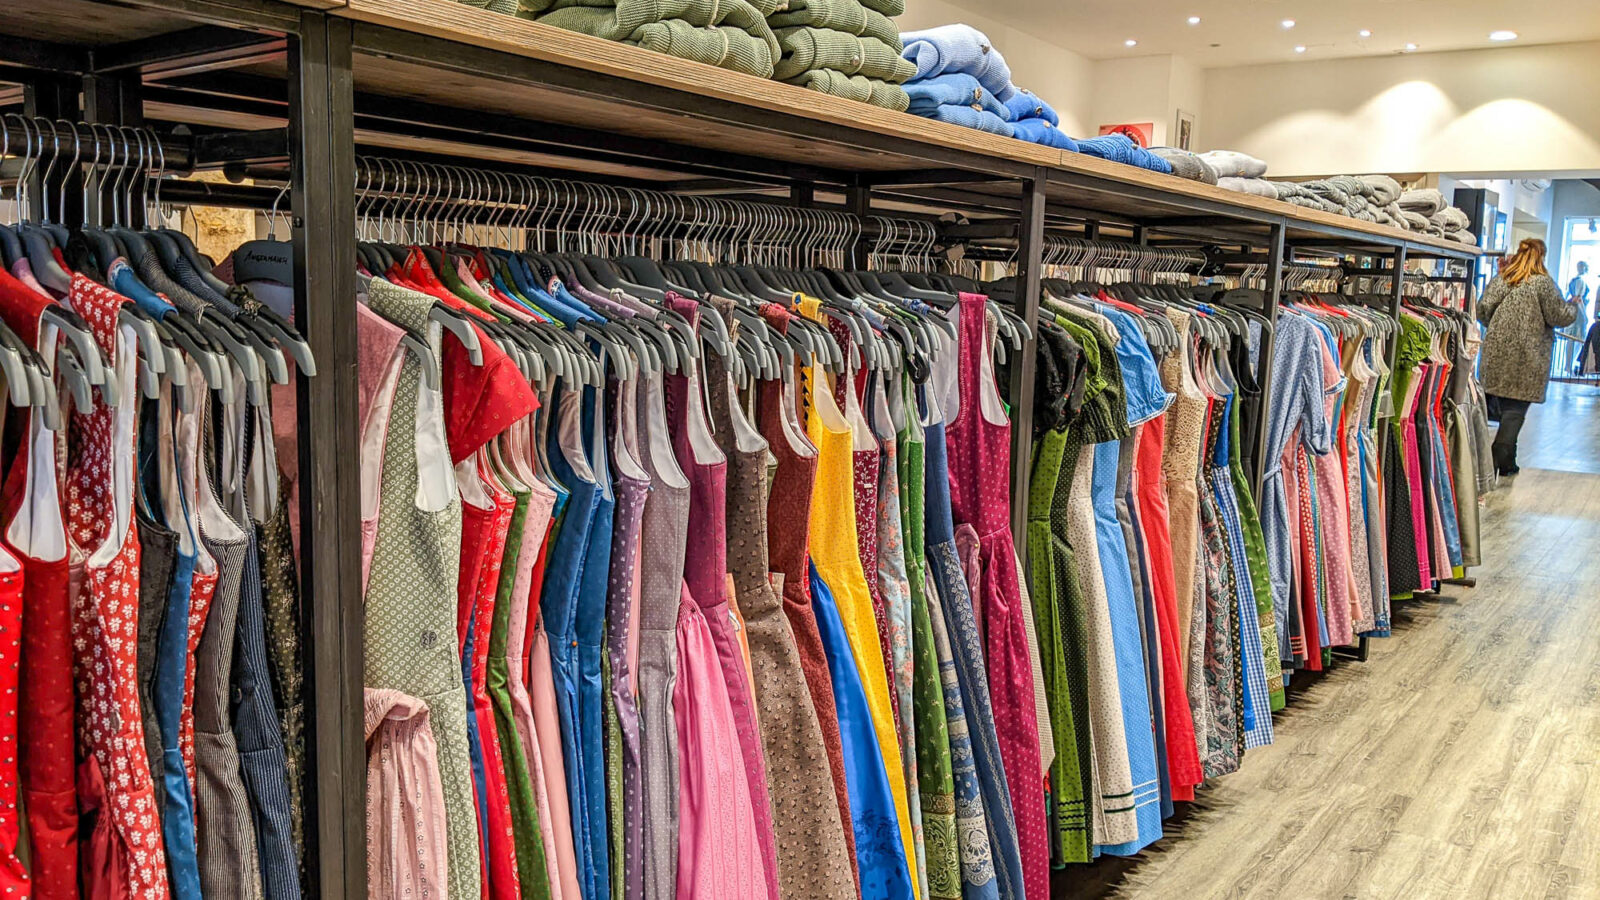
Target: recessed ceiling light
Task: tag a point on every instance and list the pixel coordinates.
(1300, 49)
(1288, 23)
(1502, 35)
(1366, 32)
(1194, 20)
(1130, 42)
(1411, 48)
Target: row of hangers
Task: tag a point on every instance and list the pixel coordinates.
(1146, 278)
(1145, 282)
(643, 243)
(180, 310)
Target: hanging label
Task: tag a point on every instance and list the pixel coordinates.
(264, 261)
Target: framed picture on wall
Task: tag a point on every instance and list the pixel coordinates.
(1183, 131)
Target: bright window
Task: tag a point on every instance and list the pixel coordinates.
(1581, 243)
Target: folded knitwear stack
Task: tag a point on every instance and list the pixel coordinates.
(1233, 164)
(1425, 202)
(847, 48)
(960, 99)
(1187, 165)
(1034, 121)
(731, 34)
(962, 79)
(1449, 222)
(1120, 148)
(959, 48)
(1370, 198)
(1257, 187)
(959, 78)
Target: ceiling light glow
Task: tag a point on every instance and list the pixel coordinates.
(1288, 23)
(1194, 20)
(1411, 48)
(1130, 42)
(1300, 49)
(1503, 35)
(1366, 32)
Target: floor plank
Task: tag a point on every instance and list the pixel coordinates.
(1459, 761)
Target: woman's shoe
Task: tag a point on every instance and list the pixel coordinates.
(1507, 473)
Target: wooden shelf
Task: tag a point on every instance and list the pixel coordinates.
(719, 110)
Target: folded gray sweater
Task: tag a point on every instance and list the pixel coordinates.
(1258, 187)
(1233, 164)
(1427, 201)
(1451, 219)
(1385, 189)
(1187, 165)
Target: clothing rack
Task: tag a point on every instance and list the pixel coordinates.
(520, 95)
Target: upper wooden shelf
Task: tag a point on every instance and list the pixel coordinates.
(735, 112)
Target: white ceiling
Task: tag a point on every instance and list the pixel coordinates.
(1243, 32)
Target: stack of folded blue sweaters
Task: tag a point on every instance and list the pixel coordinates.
(962, 79)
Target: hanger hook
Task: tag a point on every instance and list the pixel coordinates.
(25, 173)
(55, 154)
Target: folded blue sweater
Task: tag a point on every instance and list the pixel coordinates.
(1119, 148)
(959, 48)
(952, 89)
(967, 117)
(1040, 131)
(1027, 105)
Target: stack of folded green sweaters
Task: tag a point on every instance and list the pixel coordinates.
(847, 48)
(732, 34)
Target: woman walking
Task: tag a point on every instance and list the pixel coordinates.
(1522, 307)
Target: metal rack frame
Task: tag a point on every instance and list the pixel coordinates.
(213, 65)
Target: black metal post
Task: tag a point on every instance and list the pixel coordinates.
(1273, 296)
(112, 99)
(1397, 285)
(322, 144)
(1396, 292)
(49, 96)
(803, 194)
(1030, 248)
(858, 202)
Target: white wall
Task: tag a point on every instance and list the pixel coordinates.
(1058, 75)
(1509, 109)
(1146, 89)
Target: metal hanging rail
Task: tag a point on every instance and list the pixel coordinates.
(426, 201)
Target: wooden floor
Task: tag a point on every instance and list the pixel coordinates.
(1461, 759)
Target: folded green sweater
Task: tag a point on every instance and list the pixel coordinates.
(724, 46)
(804, 49)
(704, 13)
(623, 21)
(839, 15)
(890, 8)
(855, 87)
(508, 7)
